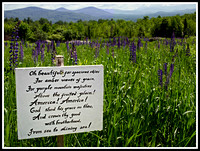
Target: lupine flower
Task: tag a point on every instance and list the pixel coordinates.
(74, 54)
(67, 44)
(166, 83)
(14, 47)
(171, 70)
(169, 76)
(114, 41)
(188, 50)
(38, 47)
(127, 41)
(86, 40)
(97, 49)
(166, 41)
(58, 43)
(48, 47)
(133, 52)
(160, 74)
(165, 68)
(118, 44)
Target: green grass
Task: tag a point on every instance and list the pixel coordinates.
(137, 111)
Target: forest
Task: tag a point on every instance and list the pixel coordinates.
(43, 29)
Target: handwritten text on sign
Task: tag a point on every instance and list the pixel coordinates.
(59, 100)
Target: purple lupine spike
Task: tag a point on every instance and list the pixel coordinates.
(169, 76)
(58, 44)
(165, 68)
(14, 48)
(33, 53)
(171, 70)
(74, 54)
(133, 53)
(42, 52)
(48, 47)
(86, 40)
(114, 41)
(118, 44)
(127, 41)
(67, 44)
(97, 50)
(139, 44)
(160, 74)
(166, 83)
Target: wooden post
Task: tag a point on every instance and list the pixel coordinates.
(60, 62)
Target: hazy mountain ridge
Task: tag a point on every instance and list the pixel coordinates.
(88, 13)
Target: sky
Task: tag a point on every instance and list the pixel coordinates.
(100, 5)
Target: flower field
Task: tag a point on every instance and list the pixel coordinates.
(149, 90)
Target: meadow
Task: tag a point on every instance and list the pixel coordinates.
(149, 90)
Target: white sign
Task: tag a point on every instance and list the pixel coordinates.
(59, 100)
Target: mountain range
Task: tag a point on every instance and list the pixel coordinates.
(90, 13)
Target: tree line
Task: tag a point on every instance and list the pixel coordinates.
(29, 30)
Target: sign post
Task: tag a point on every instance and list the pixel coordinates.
(60, 62)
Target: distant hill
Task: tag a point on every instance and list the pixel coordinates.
(88, 13)
(180, 12)
(35, 13)
(96, 12)
(62, 9)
